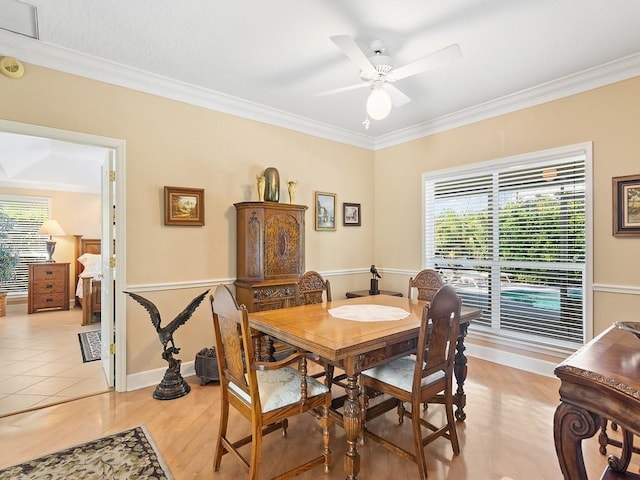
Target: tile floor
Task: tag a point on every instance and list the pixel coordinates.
(40, 359)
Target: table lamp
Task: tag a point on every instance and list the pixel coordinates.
(51, 228)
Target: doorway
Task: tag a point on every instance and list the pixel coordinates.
(113, 237)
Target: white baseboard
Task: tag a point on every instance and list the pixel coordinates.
(533, 365)
(149, 378)
(508, 359)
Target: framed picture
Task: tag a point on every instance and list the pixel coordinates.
(351, 214)
(183, 206)
(325, 211)
(626, 206)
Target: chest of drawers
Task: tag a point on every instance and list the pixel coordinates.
(48, 286)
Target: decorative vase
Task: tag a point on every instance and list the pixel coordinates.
(272, 185)
(292, 190)
(261, 181)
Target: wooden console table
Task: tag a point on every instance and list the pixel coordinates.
(599, 381)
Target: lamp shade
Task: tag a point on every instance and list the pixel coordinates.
(51, 228)
(378, 104)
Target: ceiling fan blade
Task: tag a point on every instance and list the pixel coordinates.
(350, 48)
(398, 98)
(341, 89)
(434, 59)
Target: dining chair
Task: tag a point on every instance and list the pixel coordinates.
(427, 282)
(311, 289)
(414, 379)
(265, 393)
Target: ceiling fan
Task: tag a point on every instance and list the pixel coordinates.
(379, 74)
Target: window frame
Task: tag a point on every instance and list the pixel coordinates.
(549, 156)
(40, 255)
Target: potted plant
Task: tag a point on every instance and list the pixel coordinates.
(8, 259)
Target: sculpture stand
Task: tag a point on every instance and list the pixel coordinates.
(373, 289)
(172, 384)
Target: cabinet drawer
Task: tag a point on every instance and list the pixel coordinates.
(48, 301)
(42, 287)
(48, 272)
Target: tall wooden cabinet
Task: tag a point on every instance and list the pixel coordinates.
(270, 253)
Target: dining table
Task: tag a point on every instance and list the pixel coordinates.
(359, 343)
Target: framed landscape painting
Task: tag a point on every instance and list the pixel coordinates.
(626, 206)
(183, 206)
(325, 211)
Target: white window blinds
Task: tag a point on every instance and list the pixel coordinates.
(511, 238)
(27, 215)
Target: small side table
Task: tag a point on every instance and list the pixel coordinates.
(365, 293)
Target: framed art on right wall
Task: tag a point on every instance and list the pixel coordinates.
(351, 214)
(626, 206)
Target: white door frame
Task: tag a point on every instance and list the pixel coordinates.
(119, 363)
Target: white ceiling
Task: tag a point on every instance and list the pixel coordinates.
(266, 59)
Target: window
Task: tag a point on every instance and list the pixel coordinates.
(510, 235)
(28, 214)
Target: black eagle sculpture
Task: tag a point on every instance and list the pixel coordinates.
(172, 385)
(374, 272)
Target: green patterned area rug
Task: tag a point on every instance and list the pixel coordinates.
(126, 455)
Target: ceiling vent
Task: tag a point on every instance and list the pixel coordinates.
(19, 17)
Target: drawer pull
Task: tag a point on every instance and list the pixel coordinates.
(50, 285)
(49, 300)
(49, 272)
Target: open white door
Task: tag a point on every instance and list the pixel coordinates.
(107, 315)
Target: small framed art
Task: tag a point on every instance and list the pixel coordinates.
(626, 206)
(183, 206)
(325, 211)
(351, 214)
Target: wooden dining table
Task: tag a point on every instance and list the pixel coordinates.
(355, 346)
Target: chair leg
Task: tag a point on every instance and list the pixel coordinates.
(401, 412)
(222, 432)
(326, 451)
(417, 439)
(451, 421)
(328, 375)
(256, 450)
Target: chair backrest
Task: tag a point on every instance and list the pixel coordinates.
(438, 334)
(234, 347)
(427, 282)
(311, 287)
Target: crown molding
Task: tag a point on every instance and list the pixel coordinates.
(606, 74)
(44, 54)
(70, 61)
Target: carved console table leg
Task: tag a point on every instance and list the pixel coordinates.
(460, 372)
(571, 426)
(352, 427)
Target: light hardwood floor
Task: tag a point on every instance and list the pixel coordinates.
(508, 433)
(40, 359)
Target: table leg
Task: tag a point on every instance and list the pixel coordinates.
(571, 425)
(460, 372)
(352, 427)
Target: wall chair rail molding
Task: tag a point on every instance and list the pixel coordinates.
(622, 289)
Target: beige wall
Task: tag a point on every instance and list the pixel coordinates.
(77, 214)
(607, 116)
(172, 143)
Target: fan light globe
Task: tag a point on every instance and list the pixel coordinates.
(378, 104)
